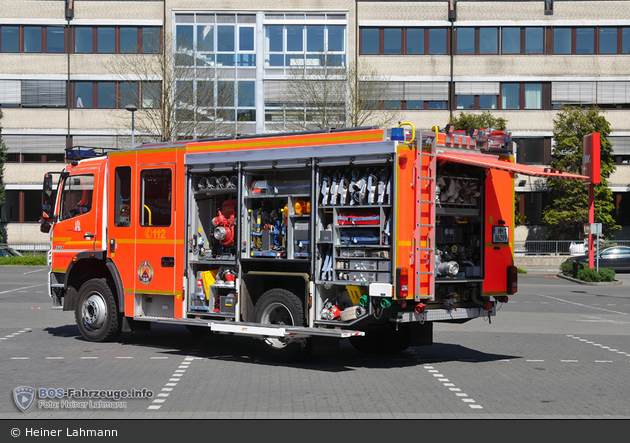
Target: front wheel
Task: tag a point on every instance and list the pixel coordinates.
(96, 314)
(281, 307)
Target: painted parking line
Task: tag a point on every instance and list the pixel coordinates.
(174, 380)
(599, 345)
(472, 404)
(15, 334)
(583, 305)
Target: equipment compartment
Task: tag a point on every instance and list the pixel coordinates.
(277, 223)
(458, 223)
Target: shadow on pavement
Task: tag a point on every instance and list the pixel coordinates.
(174, 340)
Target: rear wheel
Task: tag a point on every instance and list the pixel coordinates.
(281, 307)
(387, 340)
(96, 314)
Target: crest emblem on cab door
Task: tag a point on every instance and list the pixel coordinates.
(145, 273)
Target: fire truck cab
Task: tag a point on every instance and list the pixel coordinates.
(298, 240)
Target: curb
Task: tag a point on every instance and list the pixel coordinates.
(590, 283)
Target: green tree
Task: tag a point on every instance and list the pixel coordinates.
(484, 120)
(3, 157)
(519, 219)
(568, 212)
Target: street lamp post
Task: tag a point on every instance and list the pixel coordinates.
(132, 109)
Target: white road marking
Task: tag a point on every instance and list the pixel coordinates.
(599, 345)
(583, 305)
(20, 289)
(174, 380)
(32, 272)
(452, 388)
(21, 331)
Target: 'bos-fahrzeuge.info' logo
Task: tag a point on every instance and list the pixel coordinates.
(24, 397)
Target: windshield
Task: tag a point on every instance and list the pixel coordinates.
(76, 196)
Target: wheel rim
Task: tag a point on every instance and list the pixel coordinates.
(94, 311)
(277, 314)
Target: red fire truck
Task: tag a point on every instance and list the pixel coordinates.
(298, 239)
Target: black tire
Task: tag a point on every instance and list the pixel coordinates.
(281, 307)
(96, 313)
(383, 341)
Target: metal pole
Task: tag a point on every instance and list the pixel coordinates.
(133, 129)
(597, 255)
(591, 220)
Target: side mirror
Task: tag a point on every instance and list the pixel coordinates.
(47, 190)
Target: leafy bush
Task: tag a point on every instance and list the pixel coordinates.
(582, 272)
(24, 261)
(567, 268)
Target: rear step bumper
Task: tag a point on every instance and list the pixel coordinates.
(258, 330)
(443, 315)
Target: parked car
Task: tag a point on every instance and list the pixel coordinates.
(6, 251)
(616, 258)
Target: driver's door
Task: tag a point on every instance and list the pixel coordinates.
(77, 228)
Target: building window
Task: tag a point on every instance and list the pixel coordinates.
(305, 46)
(465, 102)
(511, 41)
(403, 41)
(32, 39)
(115, 95)
(534, 40)
(562, 41)
(129, 40)
(585, 41)
(414, 41)
(392, 41)
(43, 93)
(83, 38)
(523, 96)
(103, 40)
(488, 40)
(437, 41)
(55, 39)
(10, 39)
(106, 95)
(607, 40)
(151, 40)
(625, 40)
(476, 95)
(533, 150)
(465, 40)
(510, 96)
(533, 95)
(607, 95)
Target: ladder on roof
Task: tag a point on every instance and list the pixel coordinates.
(424, 234)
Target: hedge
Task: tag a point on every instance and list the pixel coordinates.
(24, 261)
(582, 272)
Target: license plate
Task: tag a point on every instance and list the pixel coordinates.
(500, 234)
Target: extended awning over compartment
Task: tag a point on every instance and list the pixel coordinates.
(488, 161)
